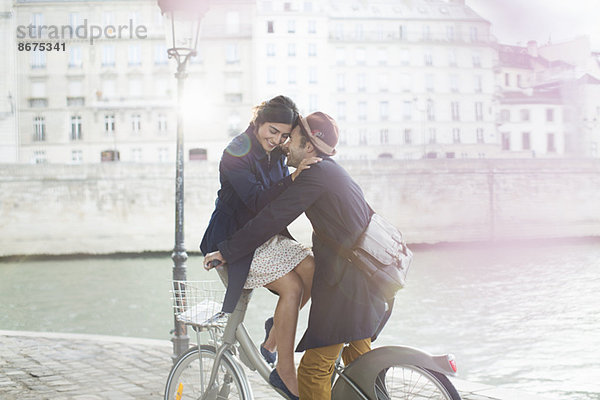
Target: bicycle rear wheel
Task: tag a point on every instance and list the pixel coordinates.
(411, 382)
(187, 380)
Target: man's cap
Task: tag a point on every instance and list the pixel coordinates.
(322, 131)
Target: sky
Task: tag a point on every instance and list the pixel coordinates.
(518, 21)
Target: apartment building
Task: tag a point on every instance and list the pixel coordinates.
(404, 80)
(9, 140)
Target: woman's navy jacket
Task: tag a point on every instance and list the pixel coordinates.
(250, 179)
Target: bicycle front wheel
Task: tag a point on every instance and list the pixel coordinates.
(411, 382)
(190, 374)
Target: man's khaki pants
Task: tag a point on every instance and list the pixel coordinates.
(316, 367)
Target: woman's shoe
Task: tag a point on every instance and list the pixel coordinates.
(269, 356)
(275, 381)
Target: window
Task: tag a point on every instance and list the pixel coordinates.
(384, 110)
(476, 60)
(453, 83)
(428, 58)
(519, 80)
(39, 157)
(525, 116)
(382, 56)
(38, 59)
(505, 141)
(361, 82)
(270, 50)
(341, 110)
(292, 75)
(401, 32)
(108, 55)
(478, 84)
(136, 154)
(361, 56)
(75, 57)
(550, 114)
(308, 6)
(39, 129)
(134, 55)
(450, 33)
(312, 50)
(160, 54)
(109, 124)
(478, 111)
(506, 79)
(360, 33)
(270, 75)
(405, 56)
(452, 58)
(198, 154)
(429, 82)
(430, 110)
(312, 26)
(550, 145)
(136, 123)
(455, 108)
(163, 154)
(135, 87)
(340, 56)
(313, 102)
(270, 27)
(292, 50)
(432, 136)
(426, 32)
(291, 26)
(312, 75)
(76, 127)
(480, 137)
(233, 121)
(76, 156)
(504, 115)
(341, 82)
(37, 20)
(407, 136)
(473, 34)
(232, 19)
(363, 137)
(407, 110)
(162, 123)
(526, 140)
(384, 82)
(456, 135)
(231, 54)
(362, 110)
(74, 19)
(384, 137)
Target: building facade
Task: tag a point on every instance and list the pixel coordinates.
(405, 80)
(9, 140)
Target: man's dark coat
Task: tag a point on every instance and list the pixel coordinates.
(344, 307)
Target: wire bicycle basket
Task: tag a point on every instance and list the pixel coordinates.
(198, 303)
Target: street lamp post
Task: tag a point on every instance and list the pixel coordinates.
(182, 40)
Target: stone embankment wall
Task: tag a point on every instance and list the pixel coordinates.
(110, 208)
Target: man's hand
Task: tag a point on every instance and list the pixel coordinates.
(213, 259)
(305, 164)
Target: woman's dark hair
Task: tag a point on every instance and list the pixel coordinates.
(280, 109)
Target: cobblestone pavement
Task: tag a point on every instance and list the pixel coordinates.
(89, 367)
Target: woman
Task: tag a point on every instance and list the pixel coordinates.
(253, 173)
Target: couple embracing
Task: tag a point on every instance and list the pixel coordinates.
(257, 200)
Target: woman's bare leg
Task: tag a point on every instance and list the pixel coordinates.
(290, 288)
(305, 269)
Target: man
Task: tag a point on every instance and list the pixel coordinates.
(344, 309)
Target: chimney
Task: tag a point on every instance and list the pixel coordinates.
(532, 48)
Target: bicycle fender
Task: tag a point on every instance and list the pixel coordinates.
(364, 370)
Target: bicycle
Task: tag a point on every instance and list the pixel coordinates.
(213, 371)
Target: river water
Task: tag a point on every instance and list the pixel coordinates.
(517, 317)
